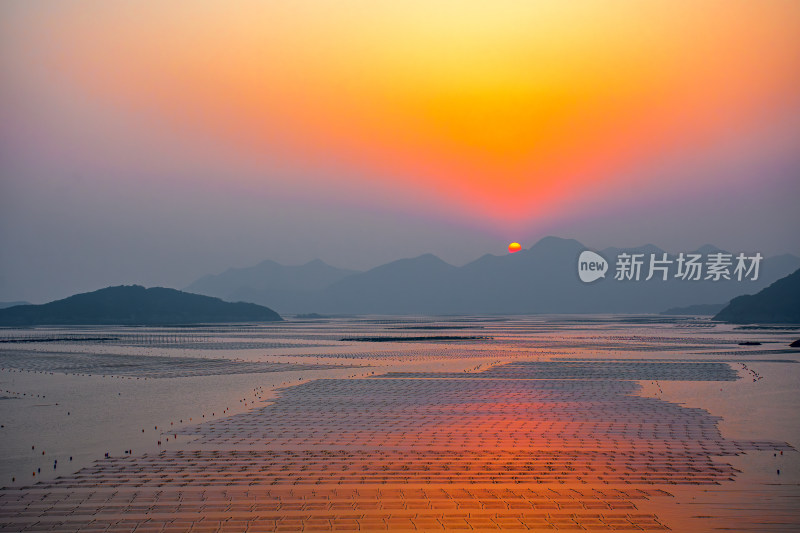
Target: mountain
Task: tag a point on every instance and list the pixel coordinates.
(697, 309)
(646, 249)
(708, 249)
(777, 304)
(135, 305)
(236, 283)
(3, 305)
(540, 279)
(406, 286)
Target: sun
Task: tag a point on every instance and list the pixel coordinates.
(514, 247)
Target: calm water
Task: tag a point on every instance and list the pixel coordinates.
(85, 392)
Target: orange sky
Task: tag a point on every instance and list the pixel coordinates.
(507, 110)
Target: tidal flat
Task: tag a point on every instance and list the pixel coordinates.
(361, 423)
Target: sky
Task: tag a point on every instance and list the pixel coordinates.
(155, 142)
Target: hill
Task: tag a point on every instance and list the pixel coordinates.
(3, 305)
(777, 304)
(236, 283)
(135, 305)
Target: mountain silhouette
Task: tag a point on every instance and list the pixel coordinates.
(3, 305)
(403, 286)
(777, 304)
(236, 283)
(647, 249)
(540, 279)
(135, 305)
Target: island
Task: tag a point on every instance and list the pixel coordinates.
(136, 305)
(777, 304)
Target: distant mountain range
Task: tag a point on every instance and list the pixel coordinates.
(777, 304)
(135, 305)
(243, 283)
(541, 279)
